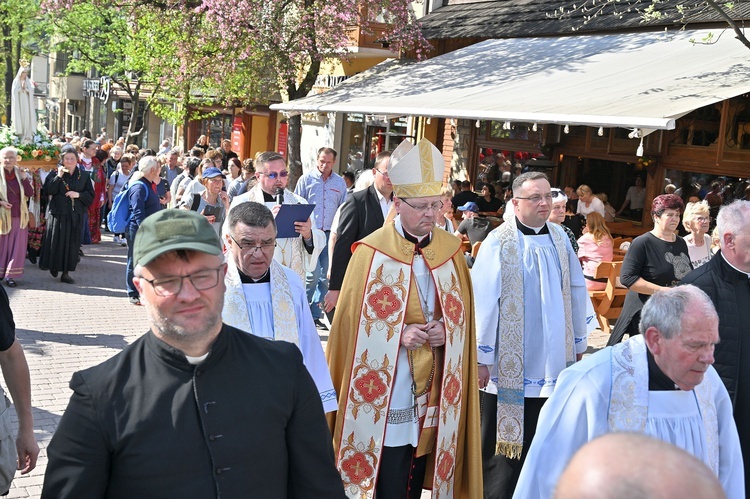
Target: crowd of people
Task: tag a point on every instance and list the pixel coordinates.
(459, 373)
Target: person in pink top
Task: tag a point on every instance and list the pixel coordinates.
(595, 246)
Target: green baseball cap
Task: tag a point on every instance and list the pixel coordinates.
(174, 229)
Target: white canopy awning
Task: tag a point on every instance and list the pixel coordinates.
(641, 80)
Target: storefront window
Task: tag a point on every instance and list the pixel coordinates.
(500, 167)
(714, 189)
(366, 136)
(353, 143)
(216, 128)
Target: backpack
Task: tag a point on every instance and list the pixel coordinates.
(118, 217)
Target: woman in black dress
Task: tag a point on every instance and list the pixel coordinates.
(72, 192)
(658, 259)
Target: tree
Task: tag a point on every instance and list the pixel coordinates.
(145, 54)
(16, 27)
(658, 13)
(257, 51)
(285, 42)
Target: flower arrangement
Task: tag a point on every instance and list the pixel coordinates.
(41, 147)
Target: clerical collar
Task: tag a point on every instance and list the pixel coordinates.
(531, 231)
(268, 197)
(246, 279)
(417, 242)
(657, 380)
(194, 361)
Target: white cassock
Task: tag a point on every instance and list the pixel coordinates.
(279, 311)
(290, 251)
(544, 316)
(597, 396)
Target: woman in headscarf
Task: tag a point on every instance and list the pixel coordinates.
(15, 189)
(72, 193)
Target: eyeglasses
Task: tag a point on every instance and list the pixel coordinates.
(436, 206)
(274, 175)
(385, 173)
(252, 247)
(536, 199)
(702, 219)
(170, 286)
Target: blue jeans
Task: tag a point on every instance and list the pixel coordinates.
(317, 282)
(130, 237)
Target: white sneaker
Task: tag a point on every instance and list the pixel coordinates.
(117, 239)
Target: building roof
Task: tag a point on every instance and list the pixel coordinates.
(529, 18)
(635, 80)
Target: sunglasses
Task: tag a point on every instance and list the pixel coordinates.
(275, 175)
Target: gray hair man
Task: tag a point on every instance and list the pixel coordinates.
(194, 408)
(265, 298)
(660, 383)
(724, 279)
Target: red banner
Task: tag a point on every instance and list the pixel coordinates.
(237, 134)
(283, 133)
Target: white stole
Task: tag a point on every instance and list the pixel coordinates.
(628, 406)
(235, 311)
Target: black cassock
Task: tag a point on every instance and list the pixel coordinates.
(62, 237)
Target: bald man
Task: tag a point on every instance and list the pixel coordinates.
(656, 470)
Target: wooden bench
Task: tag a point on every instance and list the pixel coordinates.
(475, 248)
(608, 303)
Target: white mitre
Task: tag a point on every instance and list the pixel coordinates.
(416, 171)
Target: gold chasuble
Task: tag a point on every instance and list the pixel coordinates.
(372, 311)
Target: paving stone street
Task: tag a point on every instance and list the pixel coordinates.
(64, 328)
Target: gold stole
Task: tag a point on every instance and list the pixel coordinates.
(387, 305)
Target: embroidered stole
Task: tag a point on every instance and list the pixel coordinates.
(510, 342)
(628, 403)
(368, 390)
(235, 311)
(5, 218)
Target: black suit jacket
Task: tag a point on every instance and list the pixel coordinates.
(360, 216)
(246, 422)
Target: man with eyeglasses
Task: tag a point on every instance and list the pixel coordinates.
(327, 191)
(298, 253)
(194, 408)
(531, 324)
(363, 213)
(265, 298)
(402, 350)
